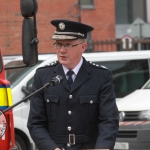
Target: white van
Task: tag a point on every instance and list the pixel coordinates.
(134, 131)
(130, 72)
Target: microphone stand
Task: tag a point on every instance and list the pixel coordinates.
(44, 87)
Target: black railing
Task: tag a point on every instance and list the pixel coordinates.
(119, 45)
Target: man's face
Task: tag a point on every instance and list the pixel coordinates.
(68, 54)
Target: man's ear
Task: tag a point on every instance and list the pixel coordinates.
(84, 46)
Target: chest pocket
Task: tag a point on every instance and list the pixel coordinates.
(52, 102)
(89, 108)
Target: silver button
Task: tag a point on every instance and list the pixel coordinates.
(70, 96)
(69, 128)
(69, 112)
(68, 144)
(91, 101)
(47, 100)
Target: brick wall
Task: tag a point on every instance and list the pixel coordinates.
(102, 18)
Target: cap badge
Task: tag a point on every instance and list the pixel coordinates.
(61, 26)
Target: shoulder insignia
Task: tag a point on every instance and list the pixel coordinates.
(96, 65)
(50, 64)
(103, 67)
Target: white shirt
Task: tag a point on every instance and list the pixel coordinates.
(75, 70)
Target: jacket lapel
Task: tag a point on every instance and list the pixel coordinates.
(59, 71)
(82, 76)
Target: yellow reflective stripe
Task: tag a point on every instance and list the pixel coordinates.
(9, 94)
(5, 97)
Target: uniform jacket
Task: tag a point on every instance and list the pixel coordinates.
(87, 113)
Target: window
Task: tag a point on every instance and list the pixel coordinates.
(147, 85)
(86, 3)
(89, 46)
(128, 10)
(1, 64)
(16, 75)
(128, 75)
(30, 82)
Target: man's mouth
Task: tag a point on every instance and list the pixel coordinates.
(63, 56)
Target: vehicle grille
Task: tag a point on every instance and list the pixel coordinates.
(131, 115)
(127, 134)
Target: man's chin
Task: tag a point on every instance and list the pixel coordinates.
(63, 62)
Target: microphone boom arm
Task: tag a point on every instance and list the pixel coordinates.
(44, 87)
(56, 80)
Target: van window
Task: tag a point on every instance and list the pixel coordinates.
(16, 75)
(128, 75)
(147, 85)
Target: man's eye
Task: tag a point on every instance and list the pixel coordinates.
(67, 45)
(59, 45)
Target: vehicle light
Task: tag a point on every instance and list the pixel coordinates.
(144, 115)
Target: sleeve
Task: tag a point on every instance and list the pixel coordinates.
(37, 120)
(109, 116)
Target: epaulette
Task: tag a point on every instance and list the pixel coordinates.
(96, 65)
(50, 64)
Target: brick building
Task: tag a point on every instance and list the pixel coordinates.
(110, 19)
(101, 16)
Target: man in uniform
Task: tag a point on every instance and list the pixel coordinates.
(80, 112)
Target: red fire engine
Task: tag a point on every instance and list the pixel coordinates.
(30, 58)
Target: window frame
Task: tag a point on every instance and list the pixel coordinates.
(88, 6)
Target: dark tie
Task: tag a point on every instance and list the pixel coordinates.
(70, 81)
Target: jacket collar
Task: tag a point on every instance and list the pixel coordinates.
(82, 76)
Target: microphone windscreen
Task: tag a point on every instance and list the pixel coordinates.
(28, 7)
(56, 80)
(60, 78)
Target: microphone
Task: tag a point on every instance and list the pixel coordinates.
(56, 80)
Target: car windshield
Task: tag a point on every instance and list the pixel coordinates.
(14, 76)
(147, 85)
